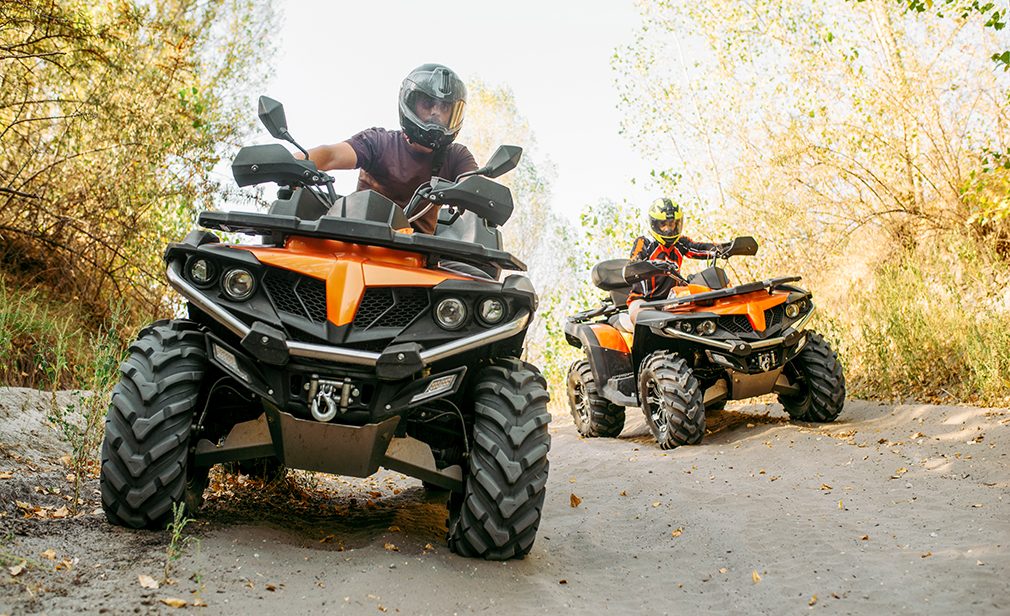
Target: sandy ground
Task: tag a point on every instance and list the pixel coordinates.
(892, 509)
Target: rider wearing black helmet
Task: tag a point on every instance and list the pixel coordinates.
(667, 243)
(394, 163)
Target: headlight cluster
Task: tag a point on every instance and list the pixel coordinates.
(703, 328)
(237, 283)
(794, 309)
(451, 312)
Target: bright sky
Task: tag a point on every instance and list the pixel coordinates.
(339, 66)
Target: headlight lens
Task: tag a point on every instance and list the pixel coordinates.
(706, 328)
(238, 284)
(492, 310)
(793, 310)
(201, 271)
(685, 326)
(450, 313)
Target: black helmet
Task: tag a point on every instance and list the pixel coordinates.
(666, 221)
(432, 98)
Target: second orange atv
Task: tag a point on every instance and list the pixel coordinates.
(707, 343)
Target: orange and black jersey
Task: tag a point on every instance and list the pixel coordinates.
(648, 249)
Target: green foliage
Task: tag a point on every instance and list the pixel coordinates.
(606, 230)
(113, 116)
(177, 541)
(928, 330)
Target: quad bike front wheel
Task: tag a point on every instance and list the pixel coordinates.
(146, 465)
(671, 400)
(594, 415)
(497, 515)
(818, 374)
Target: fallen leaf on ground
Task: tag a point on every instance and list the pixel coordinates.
(825, 486)
(173, 602)
(898, 473)
(49, 554)
(66, 563)
(840, 505)
(394, 528)
(754, 576)
(391, 547)
(562, 581)
(6, 475)
(926, 555)
(723, 570)
(428, 546)
(623, 493)
(62, 512)
(198, 602)
(917, 435)
(575, 500)
(16, 570)
(813, 600)
(677, 532)
(147, 581)
(272, 588)
(977, 505)
(865, 537)
(656, 504)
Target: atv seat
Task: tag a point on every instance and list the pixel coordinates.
(622, 322)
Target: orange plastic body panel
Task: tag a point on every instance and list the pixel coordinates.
(751, 304)
(349, 269)
(609, 337)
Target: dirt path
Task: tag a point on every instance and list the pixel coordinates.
(893, 509)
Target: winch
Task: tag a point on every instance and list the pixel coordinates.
(329, 396)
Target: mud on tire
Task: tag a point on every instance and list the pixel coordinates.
(594, 415)
(822, 384)
(145, 452)
(497, 515)
(671, 400)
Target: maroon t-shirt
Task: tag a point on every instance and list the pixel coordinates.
(393, 169)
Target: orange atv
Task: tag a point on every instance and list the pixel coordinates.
(342, 343)
(705, 344)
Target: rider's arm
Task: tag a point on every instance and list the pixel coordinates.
(695, 250)
(330, 157)
(639, 252)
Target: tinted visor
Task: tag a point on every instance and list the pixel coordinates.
(670, 227)
(429, 111)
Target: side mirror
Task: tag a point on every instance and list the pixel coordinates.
(504, 159)
(745, 246)
(271, 114)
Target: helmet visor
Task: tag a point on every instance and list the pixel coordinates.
(433, 112)
(671, 227)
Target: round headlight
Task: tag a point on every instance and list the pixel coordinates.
(685, 326)
(238, 284)
(201, 271)
(706, 328)
(793, 310)
(492, 310)
(450, 313)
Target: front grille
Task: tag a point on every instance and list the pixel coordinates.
(740, 324)
(389, 307)
(735, 323)
(295, 294)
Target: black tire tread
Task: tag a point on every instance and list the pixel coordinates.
(498, 514)
(145, 448)
(825, 382)
(606, 419)
(681, 393)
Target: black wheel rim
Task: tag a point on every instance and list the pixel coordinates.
(581, 401)
(656, 409)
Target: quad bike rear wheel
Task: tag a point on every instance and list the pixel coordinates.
(818, 374)
(671, 400)
(497, 514)
(594, 415)
(146, 462)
